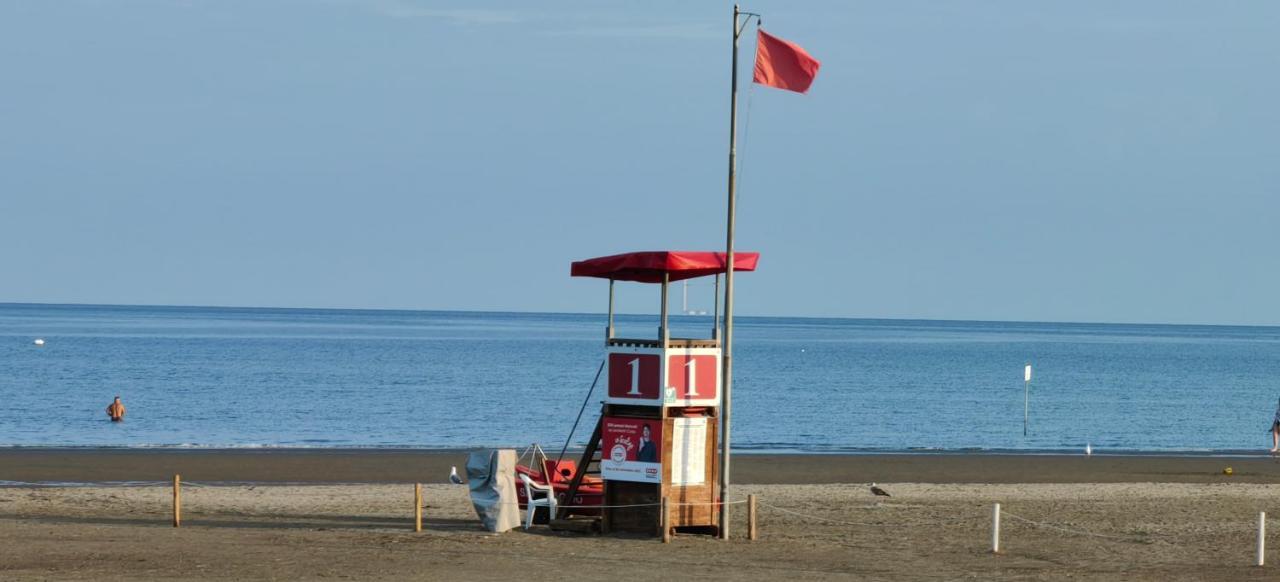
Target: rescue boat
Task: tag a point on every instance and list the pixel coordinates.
(585, 501)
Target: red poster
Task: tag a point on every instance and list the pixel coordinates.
(632, 449)
(693, 377)
(634, 376)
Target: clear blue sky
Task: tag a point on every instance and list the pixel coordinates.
(1067, 161)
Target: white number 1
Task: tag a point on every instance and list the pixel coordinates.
(635, 377)
(692, 366)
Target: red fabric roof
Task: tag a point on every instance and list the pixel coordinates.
(648, 267)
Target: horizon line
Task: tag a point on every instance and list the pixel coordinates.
(850, 318)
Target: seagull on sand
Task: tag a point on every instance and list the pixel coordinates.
(453, 476)
(878, 491)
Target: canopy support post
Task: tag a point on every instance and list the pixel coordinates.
(715, 318)
(608, 330)
(664, 334)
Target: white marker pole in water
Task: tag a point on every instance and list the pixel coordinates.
(1026, 398)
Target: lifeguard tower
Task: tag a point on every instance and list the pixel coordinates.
(659, 428)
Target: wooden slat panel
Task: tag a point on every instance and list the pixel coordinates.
(646, 519)
(702, 495)
(633, 411)
(701, 512)
(671, 343)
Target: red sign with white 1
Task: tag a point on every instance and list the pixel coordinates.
(634, 376)
(693, 376)
(671, 377)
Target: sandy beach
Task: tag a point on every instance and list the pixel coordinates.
(1104, 518)
(280, 465)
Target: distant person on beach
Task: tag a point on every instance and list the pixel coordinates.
(116, 410)
(1275, 430)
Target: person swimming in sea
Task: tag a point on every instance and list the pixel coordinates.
(1275, 431)
(116, 410)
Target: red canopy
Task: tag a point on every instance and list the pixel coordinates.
(648, 267)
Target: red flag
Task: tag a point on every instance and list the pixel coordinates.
(783, 64)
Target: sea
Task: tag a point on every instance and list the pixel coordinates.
(212, 377)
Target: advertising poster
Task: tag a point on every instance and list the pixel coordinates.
(632, 449)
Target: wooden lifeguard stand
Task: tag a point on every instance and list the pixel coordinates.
(659, 428)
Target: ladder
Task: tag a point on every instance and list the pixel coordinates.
(590, 458)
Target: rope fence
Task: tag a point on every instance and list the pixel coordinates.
(666, 506)
(995, 528)
(820, 518)
(655, 504)
(178, 485)
(995, 533)
(1080, 532)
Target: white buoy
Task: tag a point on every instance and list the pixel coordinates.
(1088, 450)
(1026, 399)
(38, 342)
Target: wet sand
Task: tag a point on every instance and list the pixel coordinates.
(1099, 518)
(409, 466)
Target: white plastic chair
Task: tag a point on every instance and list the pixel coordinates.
(531, 504)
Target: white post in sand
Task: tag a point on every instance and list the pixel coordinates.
(1262, 537)
(995, 529)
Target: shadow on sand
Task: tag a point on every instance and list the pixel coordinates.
(311, 522)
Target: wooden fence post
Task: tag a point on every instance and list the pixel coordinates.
(177, 500)
(752, 533)
(666, 520)
(417, 507)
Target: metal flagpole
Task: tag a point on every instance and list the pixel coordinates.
(727, 370)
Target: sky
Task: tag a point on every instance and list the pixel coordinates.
(998, 160)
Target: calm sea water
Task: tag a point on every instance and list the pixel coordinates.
(335, 378)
